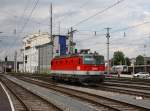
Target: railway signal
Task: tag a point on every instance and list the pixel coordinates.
(5, 64)
(6, 59)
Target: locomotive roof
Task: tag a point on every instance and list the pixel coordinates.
(75, 55)
(67, 56)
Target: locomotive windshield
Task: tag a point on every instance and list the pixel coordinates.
(97, 60)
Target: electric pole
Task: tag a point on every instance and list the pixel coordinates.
(15, 62)
(51, 30)
(15, 56)
(71, 44)
(108, 36)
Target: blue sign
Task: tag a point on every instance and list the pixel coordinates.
(62, 42)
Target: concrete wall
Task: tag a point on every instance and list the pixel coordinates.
(45, 56)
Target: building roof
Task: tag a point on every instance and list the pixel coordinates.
(38, 46)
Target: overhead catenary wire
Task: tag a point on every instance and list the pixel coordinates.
(27, 20)
(13, 16)
(122, 29)
(115, 31)
(100, 12)
(58, 20)
(131, 27)
(24, 11)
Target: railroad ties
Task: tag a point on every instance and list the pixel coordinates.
(70, 98)
(25, 100)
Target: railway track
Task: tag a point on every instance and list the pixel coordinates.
(129, 81)
(24, 100)
(114, 86)
(98, 100)
(124, 90)
(127, 87)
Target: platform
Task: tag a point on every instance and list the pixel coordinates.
(4, 101)
(129, 99)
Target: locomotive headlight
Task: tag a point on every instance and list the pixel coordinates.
(94, 68)
(78, 67)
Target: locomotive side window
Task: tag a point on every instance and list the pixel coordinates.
(93, 60)
(88, 60)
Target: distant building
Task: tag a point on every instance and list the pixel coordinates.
(145, 67)
(147, 60)
(9, 66)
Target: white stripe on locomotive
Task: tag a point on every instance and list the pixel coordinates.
(77, 72)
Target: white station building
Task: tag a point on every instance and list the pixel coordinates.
(31, 52)
(37, 51)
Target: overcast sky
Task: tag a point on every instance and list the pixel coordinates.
(16, 14)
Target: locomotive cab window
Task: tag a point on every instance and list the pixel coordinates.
(97, 60)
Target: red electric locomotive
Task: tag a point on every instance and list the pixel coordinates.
(83, 68)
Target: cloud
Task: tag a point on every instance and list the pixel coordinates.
(70, 12)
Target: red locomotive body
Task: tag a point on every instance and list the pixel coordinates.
(82, 68)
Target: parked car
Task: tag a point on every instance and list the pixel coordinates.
(141, 75)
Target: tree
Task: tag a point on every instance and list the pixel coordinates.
(139, 60)
(127, 61)
(118, 58)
